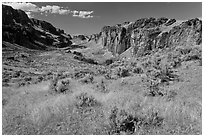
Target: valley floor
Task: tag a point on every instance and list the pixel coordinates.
(51, 92)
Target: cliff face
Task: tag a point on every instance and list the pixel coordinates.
(31, 33)
(149, 34)
(47, 26)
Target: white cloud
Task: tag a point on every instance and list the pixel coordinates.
(54, 9)
(29, 8)
(75, 12)
(64, 11)
(26, 6)
(82, 14)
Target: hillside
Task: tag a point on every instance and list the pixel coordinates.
(31, 33)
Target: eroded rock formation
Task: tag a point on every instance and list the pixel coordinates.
(149, 34)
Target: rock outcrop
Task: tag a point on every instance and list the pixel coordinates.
(149, 34)
(31, 33)
(94, 37)
(81, 37)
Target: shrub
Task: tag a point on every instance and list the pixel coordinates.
(121, 121)
(84, 100)
(63, 87)
(138, 70)
(28, 78)
(123, 72)
(53, 84)
(17, 74)
(21, 84)
(153, 119)
(81, 73)
(117, 72)
(101, 71)
(200, 62)
(5, 80)
(152, 87)
(102, 86)
(78, 53)
(87, 79)
(40, 78)
(195, 54)
(108, 62)
(91, 61)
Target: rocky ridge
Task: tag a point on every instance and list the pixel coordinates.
(31, 33)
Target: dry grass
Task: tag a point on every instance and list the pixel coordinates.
(100, 105)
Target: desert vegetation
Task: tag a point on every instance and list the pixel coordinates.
(158, 94)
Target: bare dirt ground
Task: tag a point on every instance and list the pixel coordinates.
(55, 92)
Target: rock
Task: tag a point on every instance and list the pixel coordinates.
(81, 37)
(170, 22)
(94, 37)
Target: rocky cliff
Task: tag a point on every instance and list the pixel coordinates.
(149, 34)
(31, 33)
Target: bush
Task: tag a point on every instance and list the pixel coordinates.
(81, 73)
(108, 62)
(63, 87)
(186, 54)
(78, 53)
(28, 78)
(121, 121)
(155, 77)
(40, 78)
(17, 74)
(138, 70)
(153, 119)
(102, 86)
(101, 71)
(195, 54)
(123, 72)
(87, 79)
(57, 86)
(152, 87)
(117, 72)
(84, 100)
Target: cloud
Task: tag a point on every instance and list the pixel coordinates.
(30, 8)
(82, 14)
(54, 9)
(23, 6)
(64, 11)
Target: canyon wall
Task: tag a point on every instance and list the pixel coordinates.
(150, 34)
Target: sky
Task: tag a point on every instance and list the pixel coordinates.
(89, 17)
